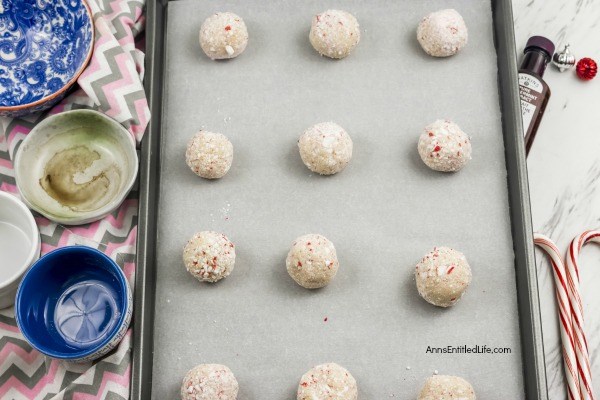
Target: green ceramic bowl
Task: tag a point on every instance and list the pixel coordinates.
(76, 167)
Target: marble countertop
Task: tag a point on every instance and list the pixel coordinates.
(564, 166)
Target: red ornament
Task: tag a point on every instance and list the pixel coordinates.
(586, 69)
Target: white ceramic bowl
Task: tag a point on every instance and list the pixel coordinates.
(76, 167)
(19, 245)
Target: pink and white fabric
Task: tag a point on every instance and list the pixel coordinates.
(112, 83)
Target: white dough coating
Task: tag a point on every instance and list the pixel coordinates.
(442, 33)
(325, 148)
(223, 35)
(209, 382)
(443, 387)
(327, 382)
(334, 33)
(209, 155)
(443, 146)
(209, 256)
(442, 276)
(312, 261)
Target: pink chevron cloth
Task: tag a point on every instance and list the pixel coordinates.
(112, 84)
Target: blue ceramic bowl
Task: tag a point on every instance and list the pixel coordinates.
(44, 47)
(74, 304)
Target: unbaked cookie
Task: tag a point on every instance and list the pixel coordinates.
(209, 155)
(209, 256)
(443, 387)
(327, 382)
(443, 146)
(442, 276)
(325, 148)
(442, 33)
(223, 35)
(312, 261)
(209, 382)
(334, 33)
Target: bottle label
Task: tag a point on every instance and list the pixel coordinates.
(530, 91)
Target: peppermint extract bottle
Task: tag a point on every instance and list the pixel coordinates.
(533, 90)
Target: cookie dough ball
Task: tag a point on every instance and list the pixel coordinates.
(209, 256)
(209, 382)
(312, 261)
(325, 148)
(334, 33)
(327, 382)
(442, 33)
(442, 276)
(223, 35)
(443, 146)
(209, 154)
(442, 387)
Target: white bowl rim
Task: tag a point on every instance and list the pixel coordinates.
(34, 253)
(87, 216)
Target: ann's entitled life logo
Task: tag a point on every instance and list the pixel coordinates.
(464, 349)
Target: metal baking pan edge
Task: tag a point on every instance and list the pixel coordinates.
(520, 209)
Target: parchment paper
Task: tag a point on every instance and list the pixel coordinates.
(384, 212)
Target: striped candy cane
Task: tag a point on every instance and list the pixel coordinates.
(574, 342)
(564, 313)
(580, 340)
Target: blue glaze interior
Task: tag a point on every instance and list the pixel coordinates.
(71, 302)
(43, 44)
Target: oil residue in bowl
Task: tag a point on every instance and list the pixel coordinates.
(86, 313)
(78, 178)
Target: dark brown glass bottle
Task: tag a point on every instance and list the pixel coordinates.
(534, 92)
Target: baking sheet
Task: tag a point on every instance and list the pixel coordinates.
(383, 212)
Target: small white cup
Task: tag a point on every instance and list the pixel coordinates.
(19, 245)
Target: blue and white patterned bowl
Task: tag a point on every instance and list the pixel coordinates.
(44, 46)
